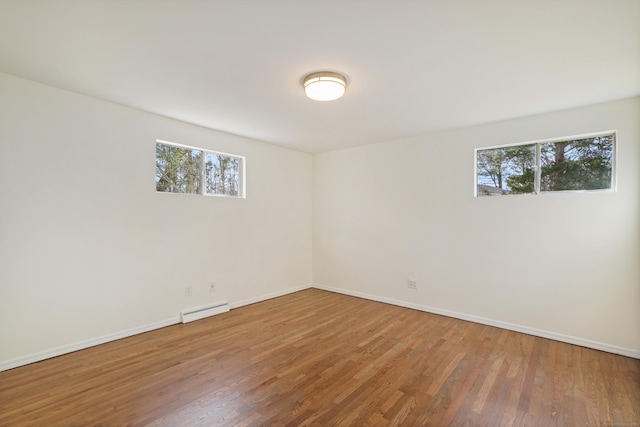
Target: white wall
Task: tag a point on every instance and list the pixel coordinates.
(561, 264)
(88, 248)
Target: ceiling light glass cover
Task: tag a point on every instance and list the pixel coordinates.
(325, 86)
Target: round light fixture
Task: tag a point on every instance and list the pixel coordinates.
(325, 86)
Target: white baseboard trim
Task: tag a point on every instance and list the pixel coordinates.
(490, 322)
(58, 351)
(265, 297)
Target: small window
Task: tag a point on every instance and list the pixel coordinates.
(574, 164)
(508, 170)
(182, 169)
(579, 164)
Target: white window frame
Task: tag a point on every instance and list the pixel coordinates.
(242, 190)
(538, 159)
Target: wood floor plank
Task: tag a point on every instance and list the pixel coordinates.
(316, 358)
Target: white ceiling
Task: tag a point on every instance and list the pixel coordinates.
(413, 66)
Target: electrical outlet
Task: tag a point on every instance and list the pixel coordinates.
(188, 291)
(412, 283)
(212, 286)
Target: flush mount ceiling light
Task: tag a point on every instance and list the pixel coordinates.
(325, 86)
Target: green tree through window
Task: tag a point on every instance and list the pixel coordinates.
(582, 164)
(563, 165)
(190, 170)
(178, 170)
(508, 170)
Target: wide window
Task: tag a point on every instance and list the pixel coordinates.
(182, 169)
(572, 164)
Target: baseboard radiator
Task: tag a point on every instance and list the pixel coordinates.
(202, 312)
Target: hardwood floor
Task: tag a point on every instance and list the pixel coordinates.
(317, 358)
